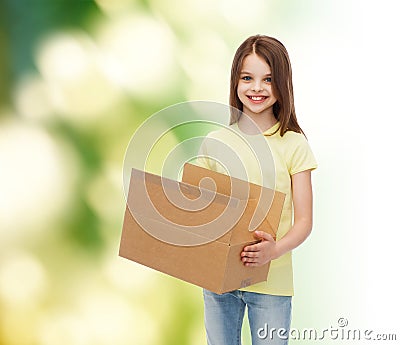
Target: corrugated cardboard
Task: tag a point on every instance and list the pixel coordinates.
(174, 241)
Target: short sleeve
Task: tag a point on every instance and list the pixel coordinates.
(302, 158)
(202, 159)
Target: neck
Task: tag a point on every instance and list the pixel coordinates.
(249, 123)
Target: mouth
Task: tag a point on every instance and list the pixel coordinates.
(257, 99)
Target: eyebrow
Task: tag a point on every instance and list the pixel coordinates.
(245, 72)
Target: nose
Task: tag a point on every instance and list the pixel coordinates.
(256, 86)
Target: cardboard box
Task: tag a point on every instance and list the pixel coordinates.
(194, 233)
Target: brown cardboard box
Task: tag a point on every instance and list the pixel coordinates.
(189, 231)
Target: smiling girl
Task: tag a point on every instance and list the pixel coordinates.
(261, 89)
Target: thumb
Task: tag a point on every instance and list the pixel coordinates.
(264, 235)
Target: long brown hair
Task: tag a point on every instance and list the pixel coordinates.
(276, 56)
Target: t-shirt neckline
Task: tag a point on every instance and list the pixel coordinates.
(269, 131)
(272, 129)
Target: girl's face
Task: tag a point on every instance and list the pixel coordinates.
(254, 88)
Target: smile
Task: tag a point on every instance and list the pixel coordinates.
(257, 98)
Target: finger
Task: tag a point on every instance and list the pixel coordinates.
(251, 264)
(249, 260)
(252, 248)
(264, 235)
(248, 254)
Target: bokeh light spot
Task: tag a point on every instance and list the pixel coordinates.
(36, 179)
(23, 279)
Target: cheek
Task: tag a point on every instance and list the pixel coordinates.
(240, 89)
(272, 91)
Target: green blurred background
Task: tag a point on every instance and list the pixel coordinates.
(78, 77)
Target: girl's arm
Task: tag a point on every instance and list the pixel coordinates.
(267, 250)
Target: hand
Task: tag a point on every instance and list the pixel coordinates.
(260, 253)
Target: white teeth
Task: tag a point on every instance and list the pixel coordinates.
(258, 98)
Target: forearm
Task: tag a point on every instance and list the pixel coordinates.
(268, 249)
(297, 234)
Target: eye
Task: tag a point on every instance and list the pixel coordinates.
(268, 79)
(246, 78)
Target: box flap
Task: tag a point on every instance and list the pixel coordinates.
(180, 213)
(209, 179)
(264, 205)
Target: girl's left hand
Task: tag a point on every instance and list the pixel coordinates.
(260, 253)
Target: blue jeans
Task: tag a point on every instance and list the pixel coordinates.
(269, 317)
